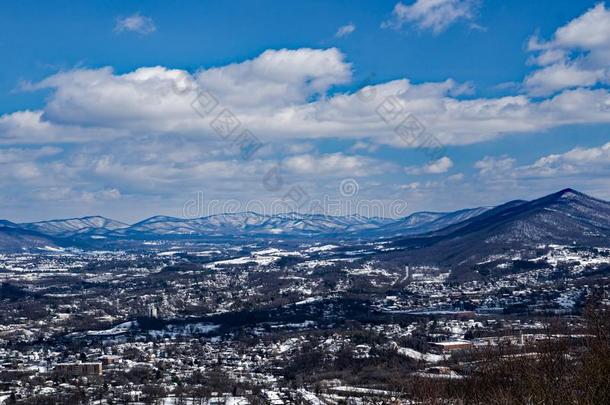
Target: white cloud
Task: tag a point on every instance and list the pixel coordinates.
(22, 166)
(335, 164)
(96, 104)
(582, 162)
(284, 94)
(576, 161)
(24, 171)
(456, 177)
(68, 194)
(297, 148)
(31, 127)
(360, 145)
(135, 23)
(163, 175)
(137, 132)
(15, 155)
(434, 15)
(268, 90)
(578, 55)
(277, 78)
(411, 186)
(495, 166)
(101, 195)
(345, 30)
(561, 75)
(134, 134)
(439, 166)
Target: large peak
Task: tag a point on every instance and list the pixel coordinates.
(570, 193)
(569, 196)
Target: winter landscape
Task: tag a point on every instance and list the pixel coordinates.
(330, 309)
(320, 203)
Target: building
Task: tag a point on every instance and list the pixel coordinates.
(152, 311)
(79, 369)
(452, 345)
(109, 359)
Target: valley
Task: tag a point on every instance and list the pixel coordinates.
(297, 319)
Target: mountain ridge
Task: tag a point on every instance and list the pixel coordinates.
(74, 226)
(566, 217)
(247, 222)
(557, 217)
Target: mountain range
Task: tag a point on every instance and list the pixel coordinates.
(567, 216)
(516, 228)
(236, 225)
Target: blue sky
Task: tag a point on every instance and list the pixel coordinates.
(91, 122)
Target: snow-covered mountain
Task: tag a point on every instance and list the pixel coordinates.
(320, 224)
(75, 226)
(564, 217)
(558, 218)
(297, 224)
(567, 217)
(14, 238)
(423, 222)
(245, 224)
(250, 223)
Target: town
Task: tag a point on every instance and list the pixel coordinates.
(311, 323)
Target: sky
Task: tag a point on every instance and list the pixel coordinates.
(130, 109)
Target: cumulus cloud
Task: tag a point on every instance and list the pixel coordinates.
(439, 166)
(135, 23)
(433, 15)
(335, 164)
(456, 177)
(31, 127)
(495, 166)
(345, 30)
(277, 78)
(283, 94)
(92, 104)
(578, 54)
(575, 161)
(137, 132)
